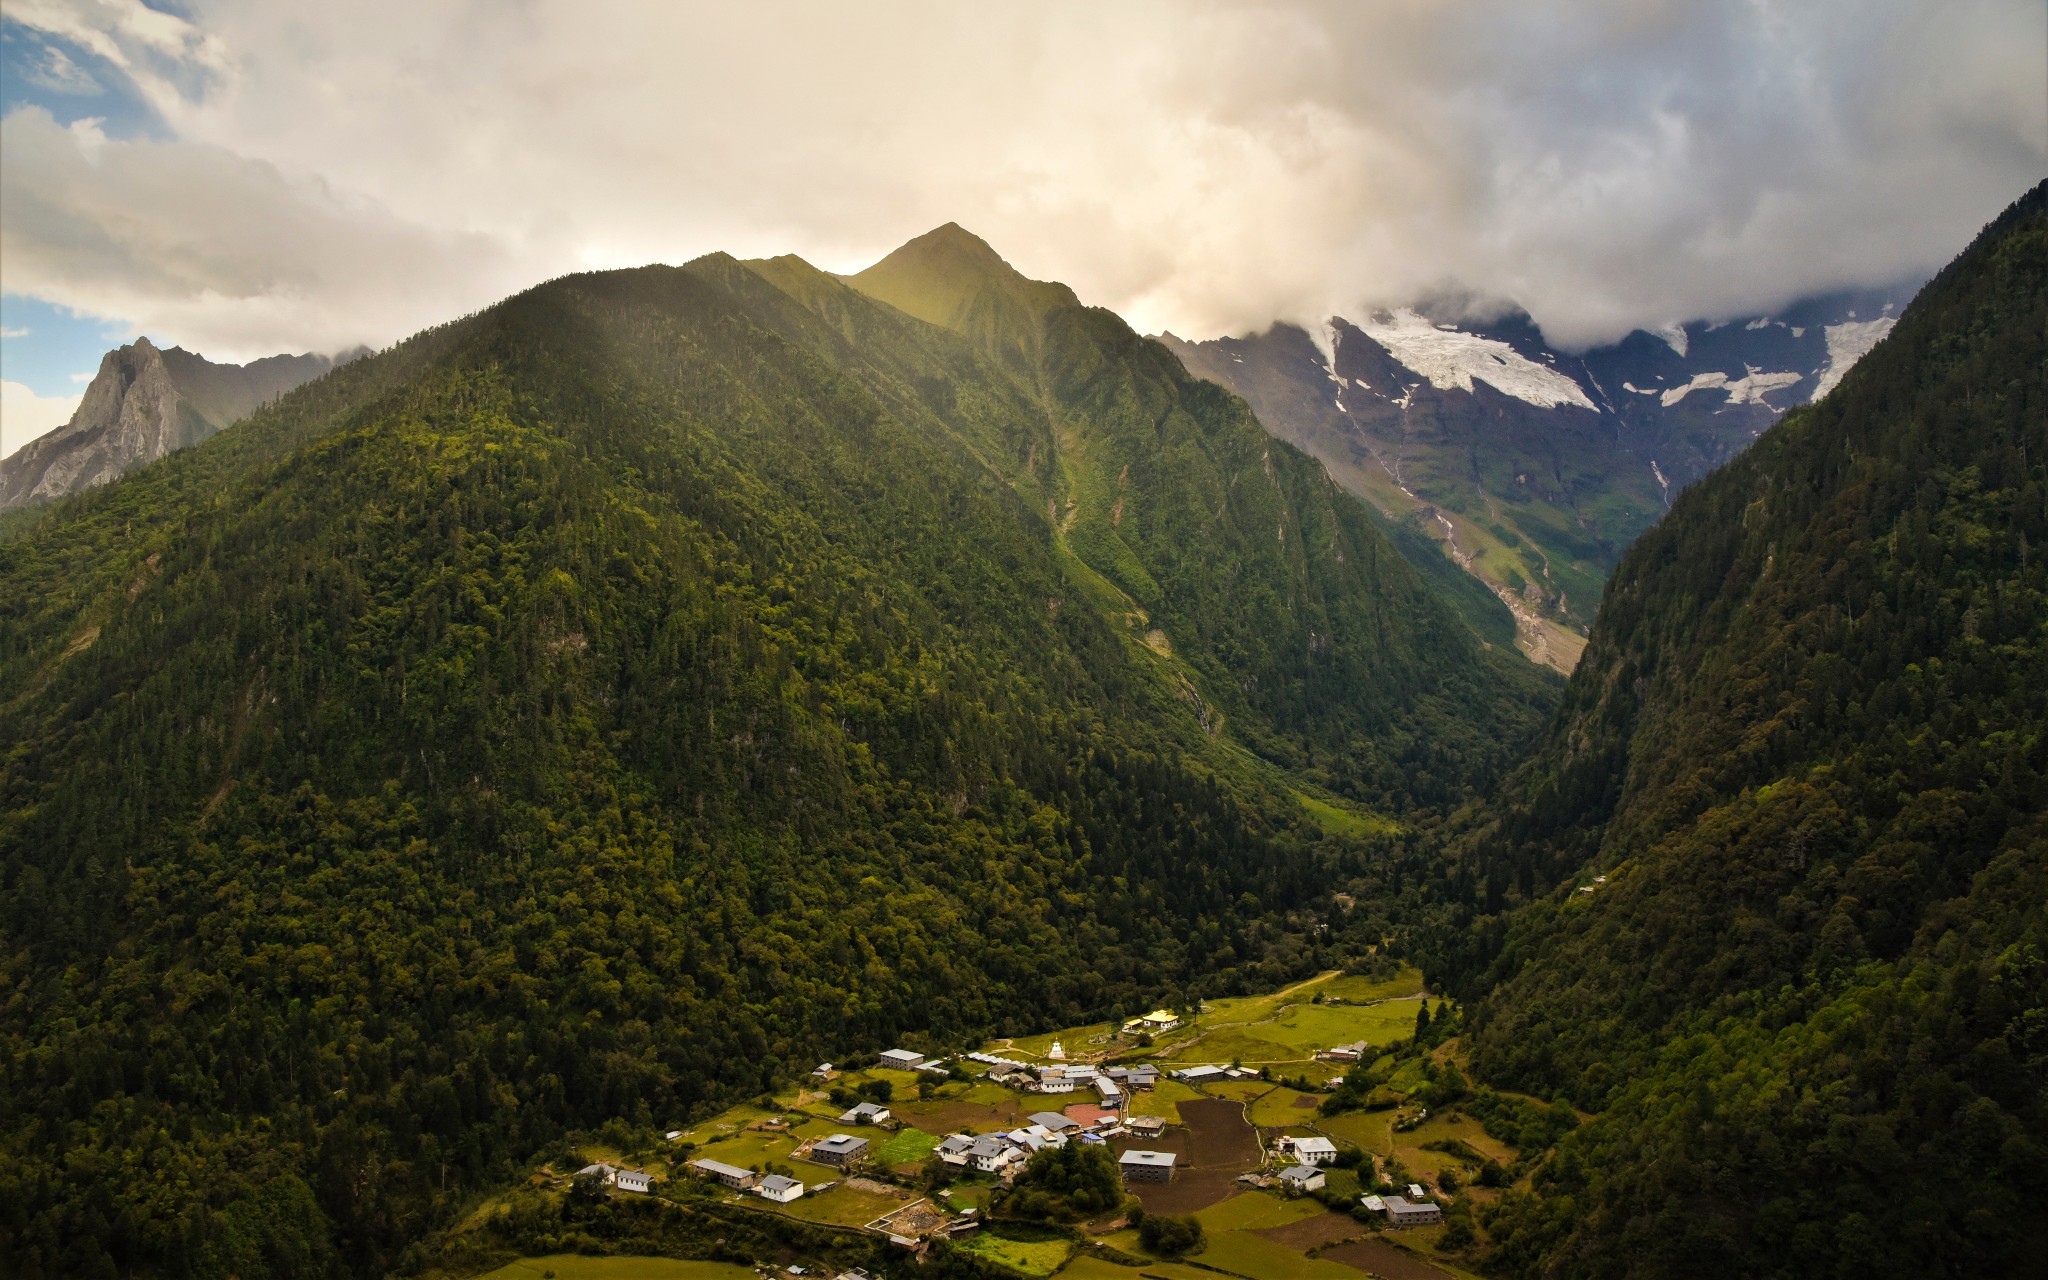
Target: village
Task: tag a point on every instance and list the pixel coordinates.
(1211, 1113)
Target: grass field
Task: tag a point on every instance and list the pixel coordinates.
(1251, 1210)
(1250, 1255)
(1085, 1267)
(569, 1266)
(1276, 1109)
(846, 1206)
(1032, 1257)
(906, 1146)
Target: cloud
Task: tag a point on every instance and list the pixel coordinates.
(24, 415)
(13, 332)
(59, 74)
(341, 173)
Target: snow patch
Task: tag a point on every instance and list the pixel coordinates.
(1761, 322)
(1674, 334)
(1641, 391)
(1450, 357)
(1751, 388)
(1799, 331)
(1848, 343)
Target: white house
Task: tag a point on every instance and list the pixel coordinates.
(779, 1189)
(901, 1059)
(864, 1113)
(1300, 1179)
(633, 1180)
(954, 1149)
(1055, 1080)
(1315, 1150)
(989, 1154)
(1202, 1075)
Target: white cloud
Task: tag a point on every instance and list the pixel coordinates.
(59, 74)
(12, 332)
(24, 415)
(343, 173)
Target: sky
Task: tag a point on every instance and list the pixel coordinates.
(243, 177)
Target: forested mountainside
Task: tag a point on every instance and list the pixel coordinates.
(1235, 551)
(1530, 468)
(639, 690)
(1773, 896)
(143, 403)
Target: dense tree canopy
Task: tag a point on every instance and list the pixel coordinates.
(605, 704)
(1808, 752)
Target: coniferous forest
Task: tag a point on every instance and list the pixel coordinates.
(606, 705)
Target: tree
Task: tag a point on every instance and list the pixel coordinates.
(1171, 1237)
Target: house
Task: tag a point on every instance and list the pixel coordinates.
(823, 1071)
(1107, 1090)
(1300, 1179)
(954, 1149)
(901, 1059)
(1315, 1150)
(1202, 1075)
(633, 1180)
(731, 1175)
(989, 1154)
(1055, 1080)
(1345, 1052)
(1082, 1071)
(1147, 1126)
(1146, 1166)
(1056, 1122)
(1415, 1191)
(864, 1113)
(1142, 1076)
(779, 1189)
(1153, 1023)
(1404, 1213)
(1373, 1204)
(839, 1150)
(603, 1171)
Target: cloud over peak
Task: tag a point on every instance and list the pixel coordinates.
(330, 174)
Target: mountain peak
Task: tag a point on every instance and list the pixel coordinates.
(951, 277)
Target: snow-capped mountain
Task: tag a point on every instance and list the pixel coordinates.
(1532, 467)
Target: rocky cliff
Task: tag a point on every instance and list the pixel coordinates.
(143, 403)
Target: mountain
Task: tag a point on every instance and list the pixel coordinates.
(631, 694)
(1530, 467)
(1773, 897)
(1228, 550)
(143, 403)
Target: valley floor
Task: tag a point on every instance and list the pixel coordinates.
(1223, 1131)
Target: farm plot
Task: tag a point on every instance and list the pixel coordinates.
(906, 1146)
(1377, 1257)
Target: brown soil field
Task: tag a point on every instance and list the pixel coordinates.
(1312, 1233)
(1190, 1190)
(1219, 1136)
(953, 1117)
(1307, 1102)
(1378, 1258)
(1174, 1140)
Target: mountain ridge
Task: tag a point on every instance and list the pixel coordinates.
(142, 403)
(1532, 468)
